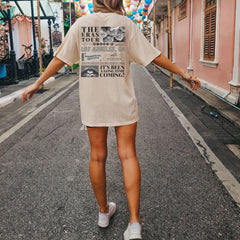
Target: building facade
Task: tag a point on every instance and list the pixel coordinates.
(206, 42)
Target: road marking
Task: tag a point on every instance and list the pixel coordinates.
(235, 149)
(16, 127)
(228, 180)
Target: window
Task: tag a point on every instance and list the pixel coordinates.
(182, 10)
(210, 30)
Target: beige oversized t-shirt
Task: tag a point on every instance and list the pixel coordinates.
(104, 45)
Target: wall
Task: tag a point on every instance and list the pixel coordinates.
(181, 38)
(221, 75)
(218, 76)
(162, 36)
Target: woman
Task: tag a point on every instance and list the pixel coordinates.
(104, 44)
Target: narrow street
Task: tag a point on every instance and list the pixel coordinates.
(45, 188)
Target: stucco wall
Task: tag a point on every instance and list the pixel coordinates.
(163, 37)
(181, 39)
(239, 50)
(221, 75)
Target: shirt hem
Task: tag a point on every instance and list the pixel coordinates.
(69, 63)
(115, 124)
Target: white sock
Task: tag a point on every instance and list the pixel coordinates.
(135, 225)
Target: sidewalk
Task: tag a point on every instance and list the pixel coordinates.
(8, 94)
(223, 108)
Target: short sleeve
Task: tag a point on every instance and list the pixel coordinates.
(68, 51)
(140, 50)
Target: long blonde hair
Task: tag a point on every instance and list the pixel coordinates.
(109, 6)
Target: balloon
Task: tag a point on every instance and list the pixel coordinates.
(148, 1)
(139, 10)
(90, 5)
(127, 1)
(129, 12)
(135, 4)
(134, 9)
(146, 5)
(134, 13)
(82, 5)
(145, 10)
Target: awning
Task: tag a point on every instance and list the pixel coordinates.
(24, 8)
(162, 8)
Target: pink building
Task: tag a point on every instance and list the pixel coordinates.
(206, 41)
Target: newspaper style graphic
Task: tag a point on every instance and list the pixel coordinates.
(102, 52)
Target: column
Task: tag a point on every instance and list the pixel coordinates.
(50, 38)
(235, 83)
(190, 67)
(35, 53)
(12, 53)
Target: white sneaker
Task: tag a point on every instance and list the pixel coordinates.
(133, 231)
(104, 218)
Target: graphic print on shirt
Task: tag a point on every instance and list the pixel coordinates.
(102, 51)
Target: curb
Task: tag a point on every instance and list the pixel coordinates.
(226, 112)
(4, 101)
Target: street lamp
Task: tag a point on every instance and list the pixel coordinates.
(12, 52)
(35, 53)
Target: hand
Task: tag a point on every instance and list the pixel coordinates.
(192, 81)
(32, 89)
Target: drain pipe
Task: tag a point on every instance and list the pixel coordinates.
(223, 98)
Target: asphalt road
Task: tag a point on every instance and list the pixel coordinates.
(46, 192)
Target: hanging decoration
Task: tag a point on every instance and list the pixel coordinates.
(67, 14)
(136, 10)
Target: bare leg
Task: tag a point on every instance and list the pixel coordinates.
(131, 171)
(98, 141)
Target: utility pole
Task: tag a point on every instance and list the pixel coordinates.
(154, 29)
(35, 53)
(170, 38)
(39, 37)
(70, 20)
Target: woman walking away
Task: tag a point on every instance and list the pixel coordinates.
(104, 44)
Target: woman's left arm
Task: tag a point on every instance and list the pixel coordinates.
(164, 62)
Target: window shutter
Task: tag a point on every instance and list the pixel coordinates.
(210, 33)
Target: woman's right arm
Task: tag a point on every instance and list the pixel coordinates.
(55, 65)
